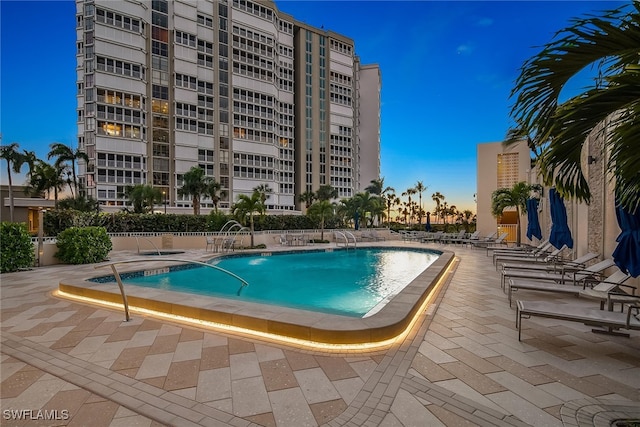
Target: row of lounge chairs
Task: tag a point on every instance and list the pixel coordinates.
(530, 270)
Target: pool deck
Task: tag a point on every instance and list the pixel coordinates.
(460, 365)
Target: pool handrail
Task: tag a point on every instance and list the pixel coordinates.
(148, 240)
(116, 275)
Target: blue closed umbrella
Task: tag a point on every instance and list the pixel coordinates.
(427, 225)
(533, 225)
(356, 220)
(560, 234)
(627, 252)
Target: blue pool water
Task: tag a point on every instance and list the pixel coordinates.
(346, 282)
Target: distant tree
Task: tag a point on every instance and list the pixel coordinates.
(214, 190)
(195, 184)
(420, 188)
(516, 197)
(14, 160)
(410, 192)
(438, 198)
(64, 153)
(377, 187)
(46, 177)
(264, 190)
(321, 210)
(80, 203)
(307, 198)
(366, 203)
(326, 192)
(391, 200)
(248, 205)
(143, 197)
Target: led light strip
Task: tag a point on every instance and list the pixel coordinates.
(313, 345)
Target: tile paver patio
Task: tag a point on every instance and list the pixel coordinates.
(462, 364)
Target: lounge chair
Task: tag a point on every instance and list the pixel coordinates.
(211, 243)
(376, 237)
(455, 238)
(599, 291)
(563, 266)
(519, 250)
(474, 237)
(610, 320)
(542, 255)
(484, 244)
(432, 237)
(517, 277)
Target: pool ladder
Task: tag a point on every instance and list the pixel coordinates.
(345, 235)
(125, 303)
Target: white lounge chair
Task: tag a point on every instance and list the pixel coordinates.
(600, 291)
(520, 251)
(611, 320)
(560, 266)
(573, 277)
(499, 241)
(542, 255)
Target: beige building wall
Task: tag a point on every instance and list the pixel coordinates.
(498, 167)
(369, 84)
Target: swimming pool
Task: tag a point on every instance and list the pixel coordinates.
(316, 330)
(345, 282)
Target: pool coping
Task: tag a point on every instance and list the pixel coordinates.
(386, 324)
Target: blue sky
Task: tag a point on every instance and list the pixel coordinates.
(447, 70)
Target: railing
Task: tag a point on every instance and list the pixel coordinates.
(510, 229)
(148, 240)
(116, 275)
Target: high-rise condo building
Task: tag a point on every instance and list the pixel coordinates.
(236, 87)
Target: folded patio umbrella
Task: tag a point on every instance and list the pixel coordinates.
(560, 233)
(627, 253)
(427, 225)
(533, 225)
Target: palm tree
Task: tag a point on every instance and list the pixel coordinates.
(44, 178)
(30, 159)
(248, 205)
(420, 188)
(143, 197)
(307, 198)
(611, 103)
(409, 193)
(466, 217)
(214, 190)
(64, 153)
(365, 202)
(390, 199)
(321, 210)
(326, 192)
(264, 191)
(377, 187)
(515, 197)
(438, 198)
(195, 184)
(15, 160)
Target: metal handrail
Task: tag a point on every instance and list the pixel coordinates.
(148, 240)
(121, 285)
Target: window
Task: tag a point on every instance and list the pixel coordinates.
(207, 21)
(185, 38)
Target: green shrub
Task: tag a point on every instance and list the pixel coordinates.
(16, 249)
(84, 245)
